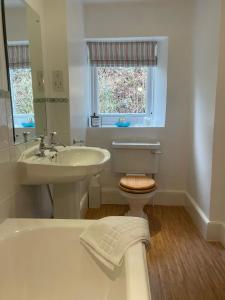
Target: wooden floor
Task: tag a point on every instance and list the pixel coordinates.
(182, 265)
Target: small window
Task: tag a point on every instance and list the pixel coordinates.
(21, 88)
(22, 96)
(123, 81)
(21, 85)
(122, 92)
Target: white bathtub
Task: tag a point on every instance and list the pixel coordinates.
(43, 260)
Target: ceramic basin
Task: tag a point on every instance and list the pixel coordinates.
(69, 164)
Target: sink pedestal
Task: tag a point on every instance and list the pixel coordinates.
(67, 197)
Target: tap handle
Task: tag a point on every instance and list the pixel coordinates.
(25, 136)
(52, 135)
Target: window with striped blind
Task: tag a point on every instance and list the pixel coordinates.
(122, 80)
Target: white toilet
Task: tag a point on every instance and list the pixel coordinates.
(138, 161)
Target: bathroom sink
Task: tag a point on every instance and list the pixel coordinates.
(69, 164)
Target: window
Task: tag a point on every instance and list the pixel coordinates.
(22, 97)
(123, 81)
(122, 92)
(21, 85)
(21, 88)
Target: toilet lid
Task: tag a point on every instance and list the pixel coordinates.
(137, 182)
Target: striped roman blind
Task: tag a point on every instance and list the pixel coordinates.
(137, 53)
(19, 56)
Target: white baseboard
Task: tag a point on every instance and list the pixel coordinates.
(162, 197)
(211, 230)
(84, 205)
(199, 218)
(216, 232)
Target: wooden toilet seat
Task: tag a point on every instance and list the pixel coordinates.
(137, 184)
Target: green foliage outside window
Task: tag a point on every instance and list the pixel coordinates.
(22, 93)
(122, 89)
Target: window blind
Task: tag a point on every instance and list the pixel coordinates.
(137, 53)
(19, 56)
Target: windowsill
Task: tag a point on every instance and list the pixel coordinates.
(131, 126)
(22, 127)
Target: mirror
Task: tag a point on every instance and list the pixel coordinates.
(25, 69)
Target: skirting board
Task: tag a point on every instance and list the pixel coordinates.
(211, 230)
(163, 197)
(216, 232)
(199, 218)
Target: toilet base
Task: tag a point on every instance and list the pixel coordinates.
(137, 202)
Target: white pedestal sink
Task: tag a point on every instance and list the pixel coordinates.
(64, 169)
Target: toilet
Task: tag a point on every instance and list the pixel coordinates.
(137, 162)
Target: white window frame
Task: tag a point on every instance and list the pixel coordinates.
(109, 119)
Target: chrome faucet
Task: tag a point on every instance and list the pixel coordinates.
(54, 140)
(52, 143)
(51, 146)
(42, 147)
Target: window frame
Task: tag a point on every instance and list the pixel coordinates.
(109, 119)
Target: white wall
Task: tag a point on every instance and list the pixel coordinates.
(203, 99)
(218, 168)
(172, 19)
(63, 48)
(36, 5)
(16, 24)
(55, 44)
(77, 63)
(55, 57)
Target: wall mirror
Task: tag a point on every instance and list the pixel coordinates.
(22, 30)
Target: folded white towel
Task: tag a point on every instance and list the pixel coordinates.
(109, 238)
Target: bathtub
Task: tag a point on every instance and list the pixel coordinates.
(44, 260)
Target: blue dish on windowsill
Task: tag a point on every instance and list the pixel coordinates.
(28, 124)
(122, 124)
